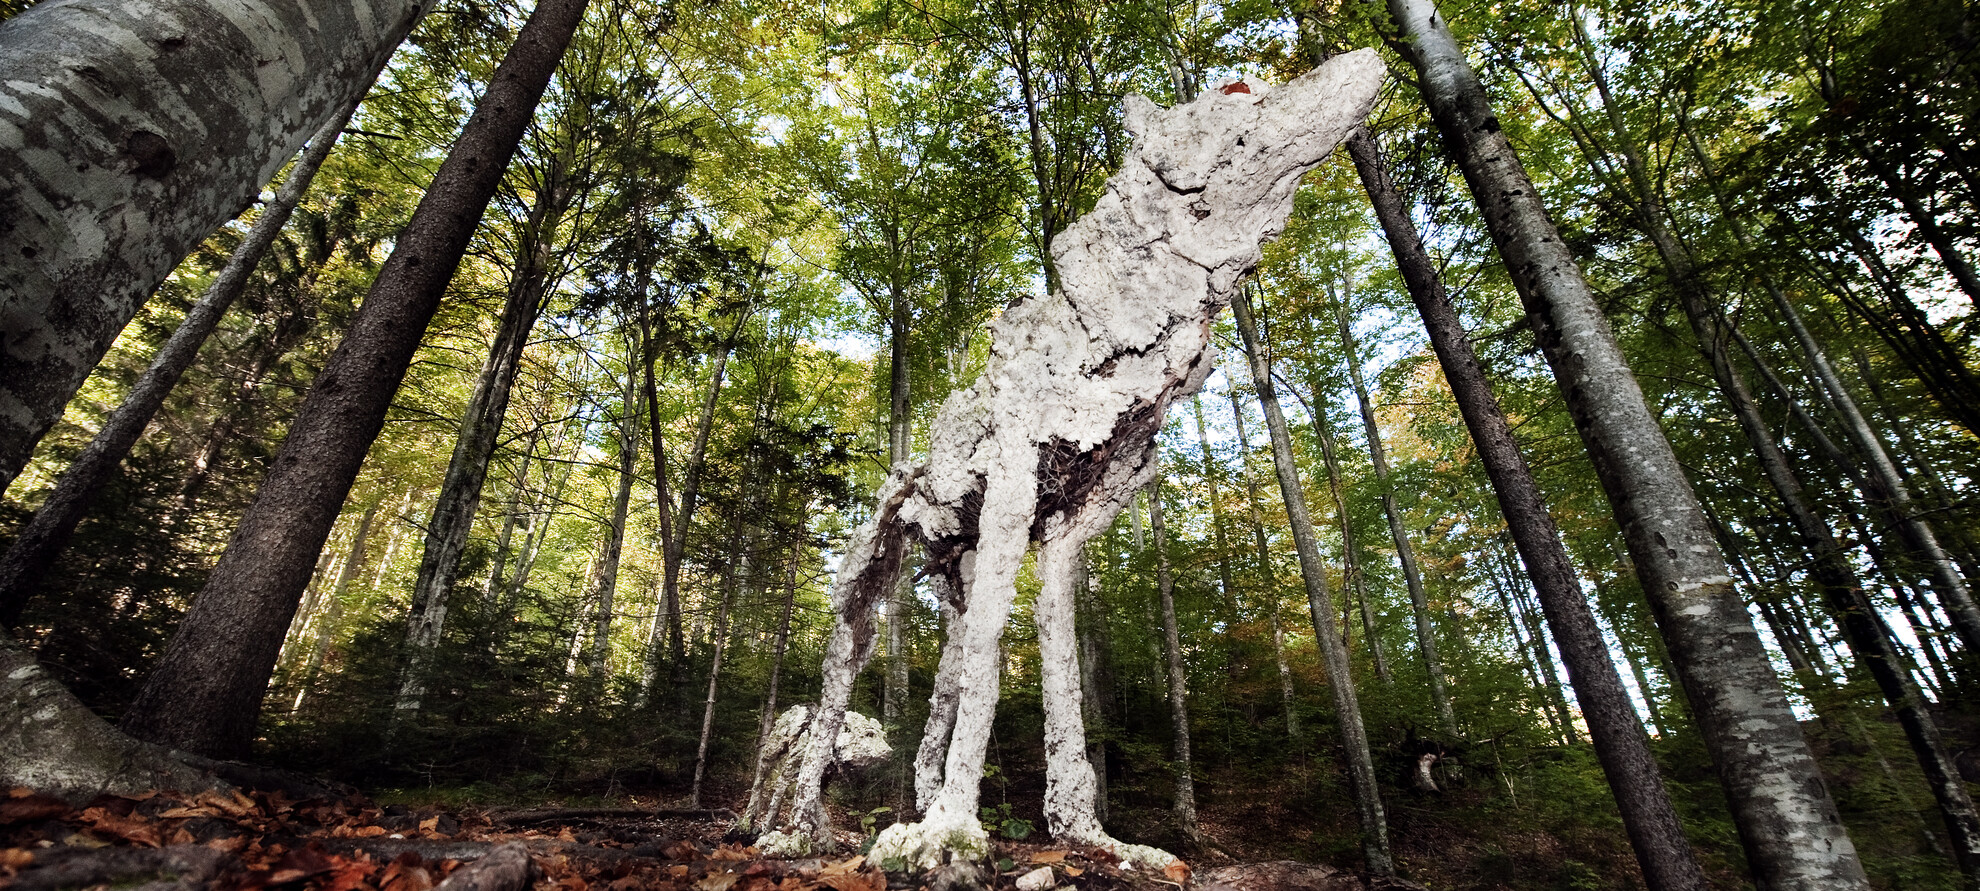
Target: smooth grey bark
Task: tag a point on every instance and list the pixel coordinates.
(39, 543)
(1320, 603)
(1265, 572)
(204, 695)
(131, 130)
(1185, 805)
(1352, 582)
(459, 498)
(1419, 603)
(1792, 833)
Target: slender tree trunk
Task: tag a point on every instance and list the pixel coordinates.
(683, 519)
(333, 611)
(169, 115)
(1351, 576)
(205, 693)
(739, 571)
(666, 630)
(1419, 603)
(1185, 806)
(1791, 830)
(1265, 572)
(459, 499)
(900, 446)
(1224, 584)
(42, 540)
(1354, 737)
(599, 652)
(754, 813)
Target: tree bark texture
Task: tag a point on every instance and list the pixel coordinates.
(1052, 441)
(1265, 572)
(46, 535)
(205, 694)
(132, 129)
(1353, 584)
(1320, 605)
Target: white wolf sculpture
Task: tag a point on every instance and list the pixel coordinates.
(1057, 435)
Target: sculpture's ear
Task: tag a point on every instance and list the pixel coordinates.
(1138, 113)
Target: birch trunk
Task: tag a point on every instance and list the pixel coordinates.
(1354, 737)
(46, 535)
(205, 693)
(159, 117)
(1790, 828)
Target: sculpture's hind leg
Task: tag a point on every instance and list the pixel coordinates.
(1069, 782)
(934, 749)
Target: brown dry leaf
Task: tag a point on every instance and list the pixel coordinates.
(1177, 872)
(349, 875)
(683, 850)
(733, 852)
(235, 805)
(870, 880)
(406, 872)
(717, 881)
(564, 834)
(679, 872)
(15, 858)
(843, 868)
(1049, 856)
(20, 808)
(430, 824)
(368, 831)
(130, 829)
(182, 812)
(1075, 871)
(300, 864)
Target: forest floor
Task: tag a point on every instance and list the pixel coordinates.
(260, 840)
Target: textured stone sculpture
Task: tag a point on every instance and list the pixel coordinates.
(1057, 435)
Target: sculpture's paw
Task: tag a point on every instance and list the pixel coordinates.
(787, 845)
(918, 847)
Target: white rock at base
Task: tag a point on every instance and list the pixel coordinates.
(1038, 879)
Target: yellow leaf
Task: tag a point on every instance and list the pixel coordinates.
(845, 868)
(1049, 856)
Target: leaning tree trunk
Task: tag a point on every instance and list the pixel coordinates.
(205, 693)
(1185, 807)
(1320, 602)
(1419, 603)
(43, 539)
(1793, 835)
(131, 130)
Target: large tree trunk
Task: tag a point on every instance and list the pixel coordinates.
(133, 129)
(1792, 833)
(1662, 851)
(205, 694)
(1320, 602)
(1185, 806)
(43, 539)
(1419, 603)
(454, 508)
